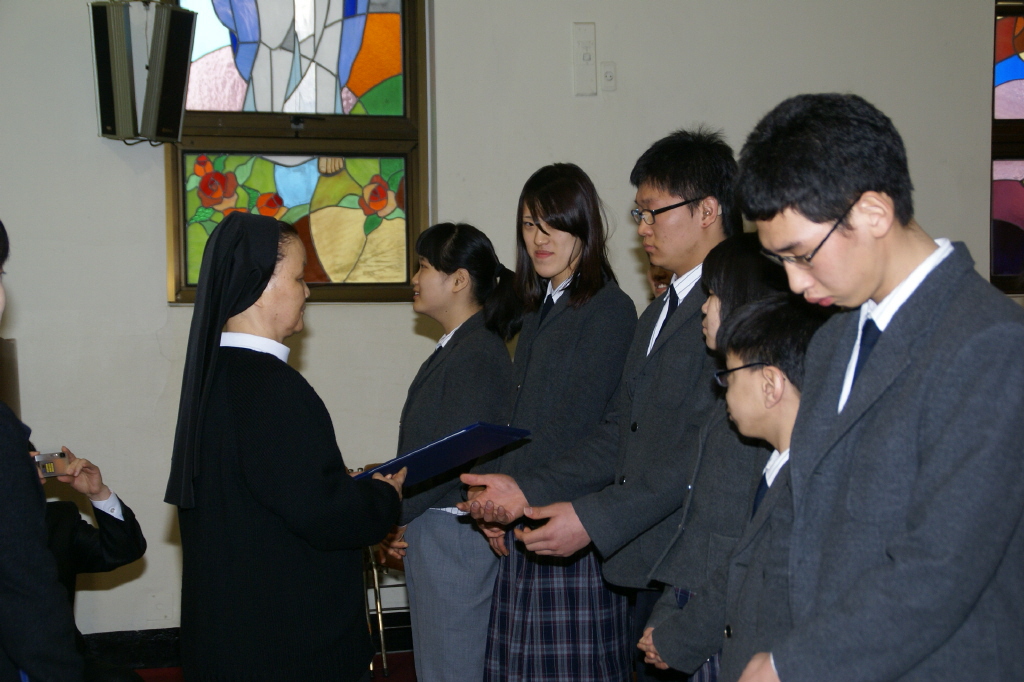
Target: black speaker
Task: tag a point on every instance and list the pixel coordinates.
(169, 58)
(115, 80)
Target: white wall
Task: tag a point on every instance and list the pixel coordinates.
(100, 352)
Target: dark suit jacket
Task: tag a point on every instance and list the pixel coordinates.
(698, 538)
(468, 381)
(626, 477)
(743, 606)
(565, 372)
(37, 629)
(908, 542)
(79, 547)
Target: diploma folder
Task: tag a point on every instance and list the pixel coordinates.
(450, 452)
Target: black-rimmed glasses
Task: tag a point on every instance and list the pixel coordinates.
(805, 261)
(722, 375)
(647, 215)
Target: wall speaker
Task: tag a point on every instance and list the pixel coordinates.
(169, 58)
(115, 79)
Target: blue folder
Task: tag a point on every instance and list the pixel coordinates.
(450, 452)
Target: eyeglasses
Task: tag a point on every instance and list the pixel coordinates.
(722, 375)
(805, 261)
(647, 215)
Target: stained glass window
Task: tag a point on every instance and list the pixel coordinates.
(297, 56)
(1007, 218)
(1009, 68)
(311, 111)
(1006, 265)
(349, 211)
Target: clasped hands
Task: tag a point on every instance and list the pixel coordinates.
(496, 500)
(758, 669)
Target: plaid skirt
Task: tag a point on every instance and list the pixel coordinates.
(555, 619)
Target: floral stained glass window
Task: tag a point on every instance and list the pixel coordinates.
(297, 56)
(349, 211)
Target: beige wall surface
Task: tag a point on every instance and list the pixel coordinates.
(100, 352)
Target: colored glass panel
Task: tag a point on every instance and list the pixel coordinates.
(348, 211)
(1008, 81)
(1008, 218)
(297, 56)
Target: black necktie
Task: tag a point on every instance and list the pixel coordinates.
(762, 488)
(544, 309)
(670, 307)
(868, 338)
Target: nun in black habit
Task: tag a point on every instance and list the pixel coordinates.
(272, 525)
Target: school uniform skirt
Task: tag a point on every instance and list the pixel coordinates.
(555, 619)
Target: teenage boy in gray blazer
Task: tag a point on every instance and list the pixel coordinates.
(632, 473)
(907, 545)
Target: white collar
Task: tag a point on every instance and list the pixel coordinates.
(684, 283)
(556, 293)
(883, 311)
(261, 344)
(443, 341)
(774, 465)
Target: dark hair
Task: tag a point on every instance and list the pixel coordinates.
(563, 196)
(692, 165)
(5, 244)
(736, 272)
(288, 232)
(774, 330)
(816, 154)
(451, 246)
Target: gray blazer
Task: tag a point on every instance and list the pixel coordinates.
(743, 605)
(626, 477)
(565, 372)
(468, 381)
(907, 553)
(694, 541)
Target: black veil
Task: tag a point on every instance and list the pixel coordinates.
(237, 265)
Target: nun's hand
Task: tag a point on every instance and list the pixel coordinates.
(396, 479)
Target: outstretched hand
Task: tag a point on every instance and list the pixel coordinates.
(397, 479)
(563, 535)
(498, 499)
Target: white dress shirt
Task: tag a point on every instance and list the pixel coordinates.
(682, 285)
(883, 312)
(111, 505)
(557, 292)
(774, 465)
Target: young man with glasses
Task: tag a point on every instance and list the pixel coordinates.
(626, 485)
(907, 476)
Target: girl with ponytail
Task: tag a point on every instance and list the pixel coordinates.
(449, 570)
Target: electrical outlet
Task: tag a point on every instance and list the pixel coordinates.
(608, 79)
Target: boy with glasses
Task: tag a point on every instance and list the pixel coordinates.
(907, 477)
(764, 343)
